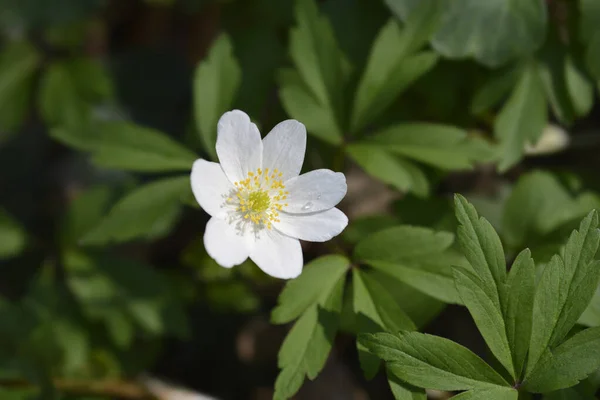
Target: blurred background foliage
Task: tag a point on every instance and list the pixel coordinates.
(105, 104)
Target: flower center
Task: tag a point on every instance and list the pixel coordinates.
(259, 201)
(259, 198)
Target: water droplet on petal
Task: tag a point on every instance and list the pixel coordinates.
(307, 206)
(318, 197)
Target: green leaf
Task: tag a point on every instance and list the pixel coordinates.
(363, 226)
(591, 315)
(442, 146)
(402, 174)
(378, 96)
(481, 246)
(18, 63)
(419, 257)
(518, 311)
(579, 87)
(483, 307)
(431, 362)
(496, 88)
(216, 82)
(500, 393)
(565, 289)
(13, 237)
(124, 295)
(421, 308)
(321, 68)
(375, 310)
(519, 29)
(126, 146)
(567, 364)
(85, 212)
(570, 92)
(302, 105)
(404, 391)
(590, 34)
(91, 79)
(391, 68)
(522, 119)
(148, 211)
(585, 390)
(485, 293)
(316, 54)
(401, 242)
(429, 274)
(307, 346)
(59, 100)
(316, 282)
(538, 205)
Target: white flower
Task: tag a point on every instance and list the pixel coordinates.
(259, 204)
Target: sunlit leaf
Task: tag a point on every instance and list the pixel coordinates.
(216, 82)
(316, 281)
(306, 347)
(147, 212)
(123, 145)
(565, 289)
(432, 362)
(522, 118)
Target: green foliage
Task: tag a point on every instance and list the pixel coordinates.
(149, 211)
(226, 290)
(519, 307)
(590, 35)
(216, 82)
(403, 391)
(104, 271)
(59, 100)
(124, 296)
(538, 205)
(312, 287)
(416, 256)
(569, 91)
(375, 310)
(122, 145)
(494, 90)
(565, 289)
(305, 349)
(591, 315)
(519, 29)
(392, 64)
(313, 91)
(432, 362)
(522, 118)
(567, 364)
(18, 63)
(444, 147)
(525, 325)
(13, 237)
(398, 172)
(69, 88)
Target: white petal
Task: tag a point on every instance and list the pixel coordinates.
(315, 227)
(238, 145)
(277, 255)
(284, 148)
(314, 191)
(225, 244)
(210, 186)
